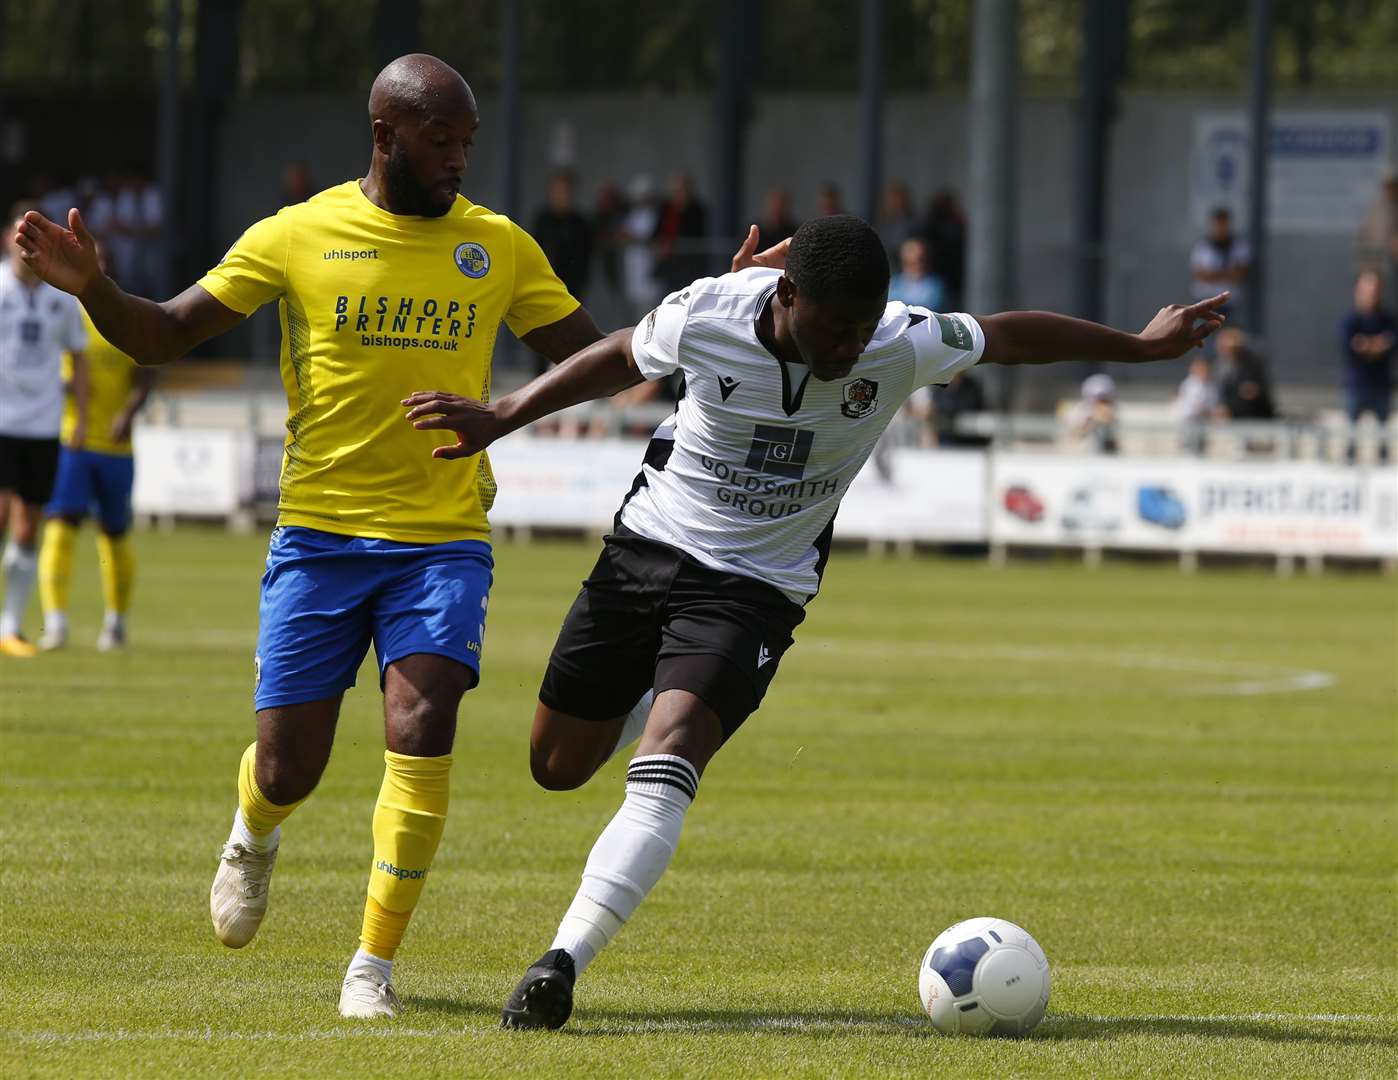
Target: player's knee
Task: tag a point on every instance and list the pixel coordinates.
(285, 779)
(554, 771)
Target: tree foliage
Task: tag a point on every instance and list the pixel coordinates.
(673, 46)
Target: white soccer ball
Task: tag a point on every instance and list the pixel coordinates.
(984, 977)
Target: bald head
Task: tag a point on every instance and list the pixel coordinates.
(420, 85)
(423, 117)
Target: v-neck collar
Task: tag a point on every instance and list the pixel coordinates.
(791, 396)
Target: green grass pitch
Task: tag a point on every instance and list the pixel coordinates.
(1184, 787)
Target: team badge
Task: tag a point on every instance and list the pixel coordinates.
(861, 398)
(471, 259)
(650, 327)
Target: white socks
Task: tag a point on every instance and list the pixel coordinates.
(630, 855)
(21, 566)
(363, 961)
(114, 622)
(635, 723)
(241, 834)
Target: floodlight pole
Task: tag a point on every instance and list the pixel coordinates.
(1104, 25)
(871, 81)
(169, 149)
(1259, 125)
(993, 126)
(733, 111)
(510, 120)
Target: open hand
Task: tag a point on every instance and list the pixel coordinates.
(1177, 328)
(748, 255)
(65, 258)
(474, 422)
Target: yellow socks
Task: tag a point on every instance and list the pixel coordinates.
(56, 565)
(408, 822)
(118, 567)
(260, 817)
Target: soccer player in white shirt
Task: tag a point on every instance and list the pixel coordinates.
(38, 324)
(790, 378)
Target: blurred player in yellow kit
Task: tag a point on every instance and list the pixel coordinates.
(95, 477)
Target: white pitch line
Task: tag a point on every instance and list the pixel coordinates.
(659, 1026)
(1244, 679)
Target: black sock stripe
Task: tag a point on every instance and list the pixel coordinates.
(658, 763)
(669, 778)
(668, 782)
(660, 770)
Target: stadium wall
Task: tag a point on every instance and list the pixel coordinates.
(802, 141)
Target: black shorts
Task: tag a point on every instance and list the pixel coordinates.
(650, 615)
(28, 467)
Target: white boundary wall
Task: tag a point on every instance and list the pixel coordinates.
(1185, 505)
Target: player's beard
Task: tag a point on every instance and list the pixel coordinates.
(405, 194)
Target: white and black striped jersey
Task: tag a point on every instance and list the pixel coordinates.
(748, 473)
(38, 325)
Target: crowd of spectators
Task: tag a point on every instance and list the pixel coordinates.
(124, 210)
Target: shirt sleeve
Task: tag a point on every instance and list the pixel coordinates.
(540, 298)
(946, 345)
(655, 343)
(74, 332)
(253, 272)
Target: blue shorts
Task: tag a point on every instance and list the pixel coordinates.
(325, 597)
(89, 481)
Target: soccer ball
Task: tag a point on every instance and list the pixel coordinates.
(984, 977)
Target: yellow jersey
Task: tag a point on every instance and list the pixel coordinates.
(373, 307)
(111, 374)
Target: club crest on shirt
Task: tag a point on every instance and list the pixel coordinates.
(861, 398)
(471, 259)
(650, 327)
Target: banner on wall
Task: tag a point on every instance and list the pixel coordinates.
(1299, 508)
(904, 495)
(934, 495)
(195, 472)
(1324, 167)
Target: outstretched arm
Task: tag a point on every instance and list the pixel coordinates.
(148, 332)
(1041, 337)
(600, 370)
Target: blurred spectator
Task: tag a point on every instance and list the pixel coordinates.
(1093, 418)
(1195, 403)
(1367, 338)
(897, 223)
(913, 284)
(776, 223)
(101, 218)
(945, 231)
(1220, 260)
(941, 407)
(296, 183)
(565, 234)
(1244, 389)
(1377, 241)
(638, 258)
(55, 200)
(680, 235)
(828, 201)
(146, 229)
(609, 234)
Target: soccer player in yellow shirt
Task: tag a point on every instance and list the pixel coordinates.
(96, 475)
(385, 285)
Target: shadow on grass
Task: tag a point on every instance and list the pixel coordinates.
(1064, 1027)
(453, 1006)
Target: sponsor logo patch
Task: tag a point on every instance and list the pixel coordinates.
(780, 451)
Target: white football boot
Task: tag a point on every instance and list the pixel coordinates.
(367, 995)
(238, 899)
